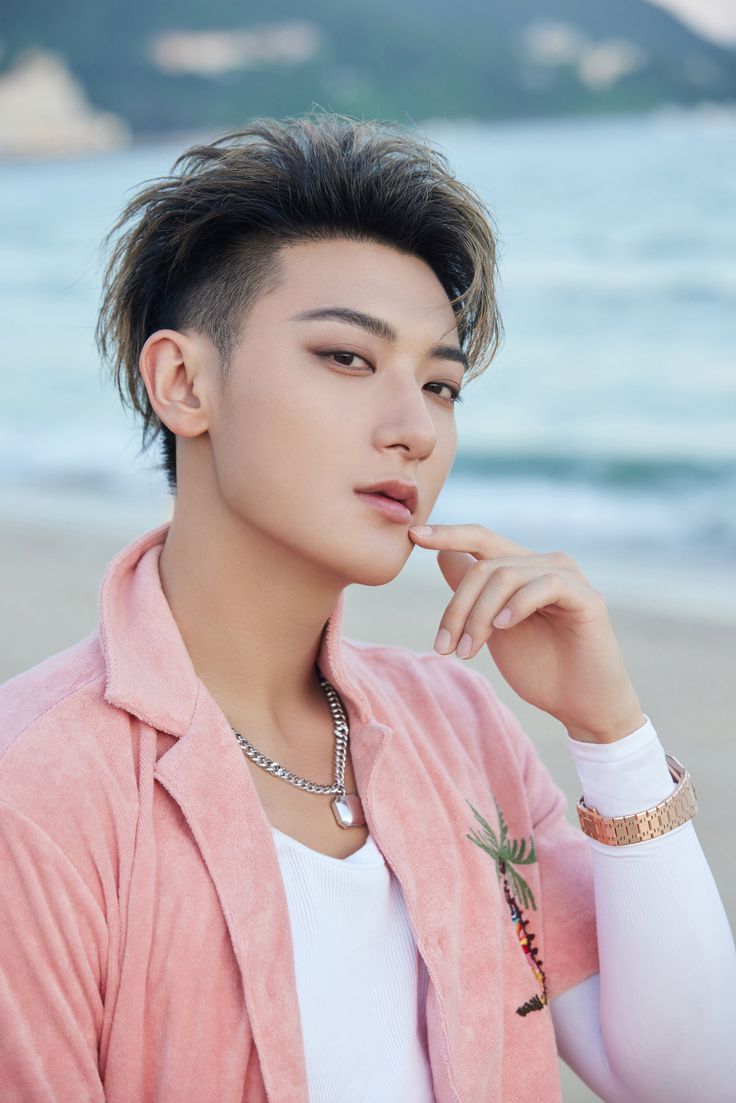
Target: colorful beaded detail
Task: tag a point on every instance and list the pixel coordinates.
(506, 854)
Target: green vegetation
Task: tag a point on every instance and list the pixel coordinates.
(410, 61)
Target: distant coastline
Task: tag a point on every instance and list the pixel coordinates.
(44, 111)
(59, 97)
(45, 114)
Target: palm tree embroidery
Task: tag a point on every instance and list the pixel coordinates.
(506, 854)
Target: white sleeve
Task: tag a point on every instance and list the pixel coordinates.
(656, 1022)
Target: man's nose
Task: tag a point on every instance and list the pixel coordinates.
(405, 418)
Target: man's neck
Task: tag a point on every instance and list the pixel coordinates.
(250, 619)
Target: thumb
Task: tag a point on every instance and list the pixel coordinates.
(454, 566)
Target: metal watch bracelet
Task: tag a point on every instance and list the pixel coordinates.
(676, 809)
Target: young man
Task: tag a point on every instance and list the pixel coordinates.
(244, 858)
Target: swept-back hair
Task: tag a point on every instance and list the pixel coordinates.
(196, 247)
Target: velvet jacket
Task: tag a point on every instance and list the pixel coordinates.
(146, 946)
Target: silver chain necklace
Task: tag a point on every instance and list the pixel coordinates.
(347, 807)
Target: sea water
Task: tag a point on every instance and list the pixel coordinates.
(606, 424)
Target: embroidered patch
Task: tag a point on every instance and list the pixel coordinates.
(506, 854)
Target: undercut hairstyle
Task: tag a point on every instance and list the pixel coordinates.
(194, 249)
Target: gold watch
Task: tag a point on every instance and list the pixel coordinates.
(679, 807)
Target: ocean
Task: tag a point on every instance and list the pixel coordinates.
(606, 425)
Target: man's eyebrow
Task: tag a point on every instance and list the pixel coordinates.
(449, 352)
(374, 325)
(378, 327)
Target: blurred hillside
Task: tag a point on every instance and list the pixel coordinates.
(184, 65)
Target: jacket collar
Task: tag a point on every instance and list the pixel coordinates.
(149, 671)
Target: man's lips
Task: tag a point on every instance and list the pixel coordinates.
(389, 507)
(401, 490)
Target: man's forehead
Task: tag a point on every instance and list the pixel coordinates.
(321, 280)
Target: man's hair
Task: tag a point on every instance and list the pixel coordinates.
(195, 248)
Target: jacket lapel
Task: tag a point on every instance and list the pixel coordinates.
(419, 819)
(206, 775)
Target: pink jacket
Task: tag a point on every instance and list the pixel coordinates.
(146, 947)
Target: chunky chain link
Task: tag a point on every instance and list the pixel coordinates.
(342, 736)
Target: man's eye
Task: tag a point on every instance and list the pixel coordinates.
(455, 395)
(344, 358)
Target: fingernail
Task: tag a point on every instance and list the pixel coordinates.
(442, 643)
(422, 530)
(502, 618)
(465, 646)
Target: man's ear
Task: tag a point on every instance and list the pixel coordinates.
(173, 371)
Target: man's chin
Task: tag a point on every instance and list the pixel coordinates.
(379, 573)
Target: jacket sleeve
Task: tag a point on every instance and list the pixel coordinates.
(52, 957)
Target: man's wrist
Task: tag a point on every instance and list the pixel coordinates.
(624, 777)
(620, 731)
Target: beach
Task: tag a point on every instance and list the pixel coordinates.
(681, 666)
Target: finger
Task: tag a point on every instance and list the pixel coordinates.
(456, 565)
(554, 588)
(475, 539)
(485, 588)
(480, 542)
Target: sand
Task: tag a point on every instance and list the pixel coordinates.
(681, 666)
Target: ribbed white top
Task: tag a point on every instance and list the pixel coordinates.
(360, 979)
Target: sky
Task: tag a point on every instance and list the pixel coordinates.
(715, 19)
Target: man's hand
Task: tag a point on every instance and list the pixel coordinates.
(557, 649)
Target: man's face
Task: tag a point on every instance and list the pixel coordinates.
(315, 407)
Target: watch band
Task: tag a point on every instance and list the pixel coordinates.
(676, 809)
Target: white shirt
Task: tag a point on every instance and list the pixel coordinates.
(662, 934)
(360, 979)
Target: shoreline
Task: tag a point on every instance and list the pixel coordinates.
(693, 589)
